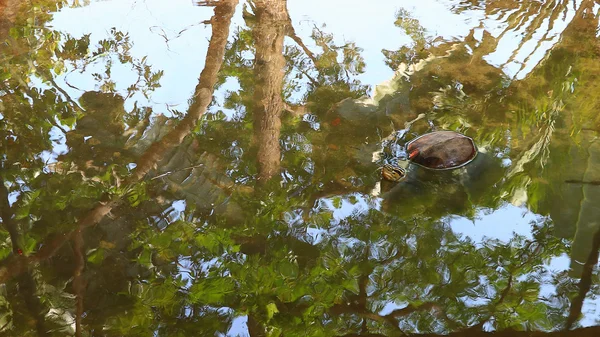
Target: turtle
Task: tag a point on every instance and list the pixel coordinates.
(438, 150)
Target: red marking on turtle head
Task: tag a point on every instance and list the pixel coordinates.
(20, 251)
(413, 154)
(336, 122)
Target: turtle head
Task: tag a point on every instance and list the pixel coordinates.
(392, 173)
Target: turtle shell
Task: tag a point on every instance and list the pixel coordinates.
(441, 150)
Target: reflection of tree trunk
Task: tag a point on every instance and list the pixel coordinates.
(255, 329)
(221, 20)
(585, 283)
(272, 22)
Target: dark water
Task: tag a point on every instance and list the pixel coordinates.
(212, 169)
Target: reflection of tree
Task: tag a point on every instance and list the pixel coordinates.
(105, 140)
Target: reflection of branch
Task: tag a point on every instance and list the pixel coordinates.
(31, 95)
(339, 309)
(544, 39)
(363, 280)
(409, 309)
(585, 283)
(6, 214)
(65, 94)
(295, 110)
(359, 305)
(52, 120)
(534, 24)
(208, 3)
(203, 93)
(167, 39)
(310, 78)
(175, 171)
(292, 34)
(391, 318)
(505, 291)
(28, 289)
(573, 181)
(202, 98)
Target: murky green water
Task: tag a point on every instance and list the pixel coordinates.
(213, 169)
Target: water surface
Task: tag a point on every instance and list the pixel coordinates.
(213, 168)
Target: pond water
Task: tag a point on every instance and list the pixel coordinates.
(213, 168)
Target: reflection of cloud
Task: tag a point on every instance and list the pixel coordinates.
(499, 224)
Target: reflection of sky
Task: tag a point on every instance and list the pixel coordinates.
(151, 23)
(516, 56)
(497, 224)
(372, 26)
(182, 57)
(147, 23)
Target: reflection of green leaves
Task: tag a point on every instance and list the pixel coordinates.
(74, 49)
(408, 54)
(337, 202)
(411, 26)
(212, 291)
(137, 194)
(28, 199)
(119, 46)
(288, 269)
(208, 241)
(271, 310)
(96, 256)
